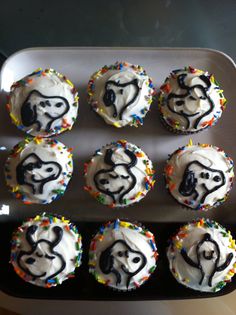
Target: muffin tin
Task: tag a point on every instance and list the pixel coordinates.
(88, 134)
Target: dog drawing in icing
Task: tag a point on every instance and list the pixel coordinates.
(199, 181)
(121, 260)
(41, 260)
(42, 110)
(119, 95)
(118, 180)
(34, 172)
(194, 103)
(207, 259)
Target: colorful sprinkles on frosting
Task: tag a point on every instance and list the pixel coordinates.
(44, 221)
(137, 119)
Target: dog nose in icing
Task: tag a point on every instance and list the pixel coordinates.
(217, 178)
(30, 261)
(103, 181)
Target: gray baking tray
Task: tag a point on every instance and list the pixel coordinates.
(89, 133)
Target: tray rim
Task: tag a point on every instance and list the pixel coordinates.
(49, 48)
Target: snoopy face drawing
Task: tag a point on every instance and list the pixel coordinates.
(43, 110)
(119, 94)
(199, 181)
(194, 103)
(121, 260)
(208, 258)
(38, 261)
(34, 172)
(117, 181)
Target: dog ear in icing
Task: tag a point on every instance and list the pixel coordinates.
(188, 184)
(206, 81)
(106, 261)
(28, 114)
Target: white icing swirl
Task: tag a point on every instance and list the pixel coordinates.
(131, 95)
(199, 176)
(130, 252)
(39, 183)
(55, 249)
(119, 183)
(195, 104)
(42, 97)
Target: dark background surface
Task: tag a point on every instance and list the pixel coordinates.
(156, 23)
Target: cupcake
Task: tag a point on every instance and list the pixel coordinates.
(119, 174)
(202, 256)
(122, 255)
(199, 176)
(38, 170)
(190, 100)
(45, 250)
(43, 103)
(121, 94)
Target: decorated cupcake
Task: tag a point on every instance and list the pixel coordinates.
(38, 170)
(119, 174)
(190, 100)
(202, 256)
(199, 176)
(121, 94)
(44, 103)
(122, 255)
(46, 250)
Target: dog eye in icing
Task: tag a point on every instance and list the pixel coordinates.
(29, 167)
(42, 104)
(121, 91)
(113, 176)
(120, 254)
(59, 104)
(39, 255)
(125, 177)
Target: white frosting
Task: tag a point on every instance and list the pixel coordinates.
(52, 85)
(187, 239)
(139, 103)
(48, 154)
(46, 259)
(123, 256)
(193, 103)
(210, 157)
(118, 176)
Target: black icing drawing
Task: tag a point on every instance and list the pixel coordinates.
(118, 180)
(43, 110)
(213, 255)
(115, 93)
(41, 254)
(121, 260)
(197, 176)
(34, 172)
(191, 95)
